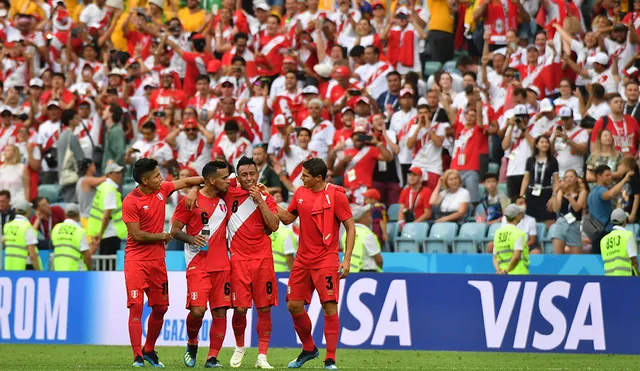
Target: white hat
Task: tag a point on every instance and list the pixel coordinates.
(225, 79)
(310, 89)
(402, 10)
(280, 120)
(263, 6)
(422, 102)
(347, 108)
(600, 58)
(53, 103)
(358, 211)
(117, 71)
(113, 168)
(166, 71)
(149, 81)
(116, 4)
(565, 112)
(8, 108)
(520, 109)
(158, 3)
(546, 105)
(323, 70)
(501, 51)
(72, 208)
(534, 89)
(406, 91)
(36, 82)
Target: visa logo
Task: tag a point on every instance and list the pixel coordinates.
(569, 327)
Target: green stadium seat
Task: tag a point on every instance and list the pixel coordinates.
(450, 67)
(541, 229)
(392, 212)
(441, 237)
(431, 67)
(503, 187)
(471, 235)
(494, 167)
(49, 191)
(412, 237)
(126, 188)
(490, 233)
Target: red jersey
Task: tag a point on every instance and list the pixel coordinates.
(625, 134)
(418, 202)
(247, 237)
(359, 170)
(196, 66)
(467, 147)
(212, 213)
(135, 38)
(149, 211)
(66, 97)
(312, 253)
(162, 98)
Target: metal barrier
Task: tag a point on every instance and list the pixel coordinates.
(104, 262)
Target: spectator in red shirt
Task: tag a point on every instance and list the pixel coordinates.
(240, 41)
(140, 38)
(414, 199)
(58, 92)
(197, 61)
(46, 217)
(167, 95)
(625, 129)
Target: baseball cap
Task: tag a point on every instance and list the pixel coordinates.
(72, 208)
(263, 6)
(113, 168)
(289, 59)
(422, 102)
(213, 66)
(323, 70)
(280, 120)
(116, 4)
(310, 89)
(601, 58)
(117, 71)
(512, 211)
(53, 103)
(372, 193)
(532, 46)
(158, 3)
(226, 80)
(546, 105)
(166, 71)
(346, 109)
(36, 82)
(364, 100)
(7, 109)
(402, 12)
(534, 89)
(406, 91)
(565, 112)
(520, 110)
(22, 205)
(190, 123)
(358, 211)
(149, 81)
(343, 71)
(619, 216)
(416, 170)
(197, 36)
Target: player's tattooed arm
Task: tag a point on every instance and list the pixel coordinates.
(188, 182)
(141, 236)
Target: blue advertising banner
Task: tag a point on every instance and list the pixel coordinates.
(577, 314)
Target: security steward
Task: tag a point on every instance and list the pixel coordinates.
(105, 217)
(618, 248)
(20, 241)
(283, 245)
(510, 252)
(366, 255)
(72, 252)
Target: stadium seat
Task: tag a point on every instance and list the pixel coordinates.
(62, 205)
(392, 212)
(541, 229)
(126, 188)
(392, 232)
(440, 237)
(431, 67)
(502, 187)
(632, 228)
(494, 167)
(49, 191)
(450, 67)
(490, 233)
(470, 235)
(481, 189)
(547, 246)
(412, 236)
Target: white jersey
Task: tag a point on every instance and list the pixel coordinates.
(321, 136)
(293, 163)
(157, 150)
(398, 122)
(233, 151)
(374, 77)
(193, 153)
(88, 134)
(429, 156)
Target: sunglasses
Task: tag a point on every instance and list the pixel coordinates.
(191, 129)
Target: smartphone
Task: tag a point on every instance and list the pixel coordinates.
(355, 93)
(160, 114)
(516, 75)
(365, 138)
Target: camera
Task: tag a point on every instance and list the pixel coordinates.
(365, 138)
(468, 89)
(355, 92)
(160, 114)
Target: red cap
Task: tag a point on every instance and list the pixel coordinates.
(376, 3)
(416, 170)
(213, 66)
(289, 59)
(372, 193)
(343, 71)
(190, 123)
(197, 36)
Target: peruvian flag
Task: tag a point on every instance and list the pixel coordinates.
(556, 12)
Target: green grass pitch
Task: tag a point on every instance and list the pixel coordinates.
(85, 357)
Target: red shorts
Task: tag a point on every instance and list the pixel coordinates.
(198, 281)
(254, 279)
(303, 281)
(146, 277)
(220, 293)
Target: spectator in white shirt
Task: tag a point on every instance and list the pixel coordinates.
(570, 142)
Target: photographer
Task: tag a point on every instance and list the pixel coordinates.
(358, 162)
(570, 143)
(517, 143)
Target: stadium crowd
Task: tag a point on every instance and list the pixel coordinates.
(453, 110)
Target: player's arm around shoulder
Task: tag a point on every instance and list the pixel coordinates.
(187, 182)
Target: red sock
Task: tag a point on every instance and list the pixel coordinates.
(331, 334)
(216, 336)
(135, 329)
(239, 324)
(193, 327)
(302, 325)
(264, 331)
(154, 326)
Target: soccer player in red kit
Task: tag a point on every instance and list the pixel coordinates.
(321, 208)
(145, 272)
(252, 215)
(208, 271)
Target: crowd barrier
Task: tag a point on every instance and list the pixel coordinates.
(453, 312)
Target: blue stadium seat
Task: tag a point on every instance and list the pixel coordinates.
(392, 232)
(502, 187)
(632, 228)
(441, 237)
(469, 237)
(547, 246)
(126, 188)
(412, 236)
(392, 212)
(431, 67)
(450, 67)
(62, 205)
(490, 233)
(541, 229)
(481, 189)
(49, 191)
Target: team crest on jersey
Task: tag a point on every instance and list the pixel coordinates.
(134, 294)
(289, 290)
(223, 207)
(160, 196)
(300, 200)
(233, 297)
(194, 296)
